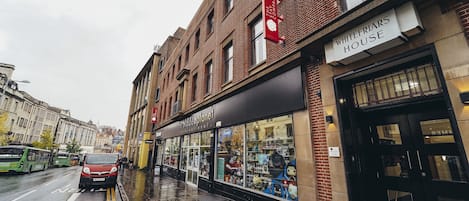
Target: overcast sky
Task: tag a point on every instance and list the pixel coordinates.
(83, 55)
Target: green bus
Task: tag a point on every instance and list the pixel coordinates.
(62, 159)
(23, 159)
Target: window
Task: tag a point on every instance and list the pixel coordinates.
(349, 4)
(197, 39)
(210, 23)
(179, 63)
(157, 94)
(258, 155)
(228, 6)
(258, 46)
(188, 48)
(194, 87)
(161, 64)
(171, 152)
(205, 142)
(170, 112)
(174, 67)
(228, 62)
(208, 77)
(230, 160)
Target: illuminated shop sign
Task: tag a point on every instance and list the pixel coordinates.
(380, 33)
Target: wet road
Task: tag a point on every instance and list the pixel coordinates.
(57, 184)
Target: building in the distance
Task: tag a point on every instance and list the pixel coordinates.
(143, 111)
(29, 117)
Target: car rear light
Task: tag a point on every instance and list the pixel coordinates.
(114, 169)
(86, 170)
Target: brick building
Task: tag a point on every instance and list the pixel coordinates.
(364, 100)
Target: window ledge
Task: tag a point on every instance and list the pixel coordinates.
(257, 66)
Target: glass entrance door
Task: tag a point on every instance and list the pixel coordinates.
(416, 156)
(192, 175)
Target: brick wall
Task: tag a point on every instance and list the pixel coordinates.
(318, 132)
(462, 9)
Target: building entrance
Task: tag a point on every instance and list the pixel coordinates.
(192, 175)
(414, 154)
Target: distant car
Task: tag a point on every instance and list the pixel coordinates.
(99, 170)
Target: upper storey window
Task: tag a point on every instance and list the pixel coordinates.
(197, 39)
(258, 46)
(349, 4)
(228, 62)
(161, 64)
(228, 6)
(188, 48)
(210, 23)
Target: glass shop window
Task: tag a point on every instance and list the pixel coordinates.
(204, 167)
(270, 162)
(230, 160)
(171, 152)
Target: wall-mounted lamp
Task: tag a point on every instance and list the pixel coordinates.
(329, 119)
(464, 97)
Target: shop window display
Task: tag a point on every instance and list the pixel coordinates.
(171, 152)
(204, 166)
(230, 160)
(270, 162)
(184, 146)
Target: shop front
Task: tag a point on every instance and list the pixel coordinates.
(243, 146)
(395, 103)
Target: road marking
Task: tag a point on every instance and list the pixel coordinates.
(113, 194)
(24, 195)
(64, 190)
(74, 197)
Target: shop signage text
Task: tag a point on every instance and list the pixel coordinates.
(270, 16)
(382, 32)
(378, 30)
(199, 120)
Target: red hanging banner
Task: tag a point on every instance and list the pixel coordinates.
(270, 17)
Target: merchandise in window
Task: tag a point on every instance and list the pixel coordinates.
(230, 160)
(205, 140)
(184, 146)
(270, 162)
(171, 152)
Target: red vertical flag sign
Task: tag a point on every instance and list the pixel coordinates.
(270, 16)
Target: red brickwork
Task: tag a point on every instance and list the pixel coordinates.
(300, 19)
(462, 9)
(318, 132)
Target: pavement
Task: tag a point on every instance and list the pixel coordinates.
(142, 185)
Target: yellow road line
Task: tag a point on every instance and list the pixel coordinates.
(108, 192)
(113, 193)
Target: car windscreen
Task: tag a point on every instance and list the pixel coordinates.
(101, 159)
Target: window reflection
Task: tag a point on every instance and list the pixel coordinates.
(395, 165)
(447, 168)
(389, 134)
(394, 195)
(437, 131)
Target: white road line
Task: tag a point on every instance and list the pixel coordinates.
(24, 195)
(74, 197)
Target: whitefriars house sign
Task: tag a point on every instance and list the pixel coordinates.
(375, 35)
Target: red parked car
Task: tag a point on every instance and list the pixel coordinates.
(99, 170)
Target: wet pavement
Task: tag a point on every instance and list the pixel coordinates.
(139, 185)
